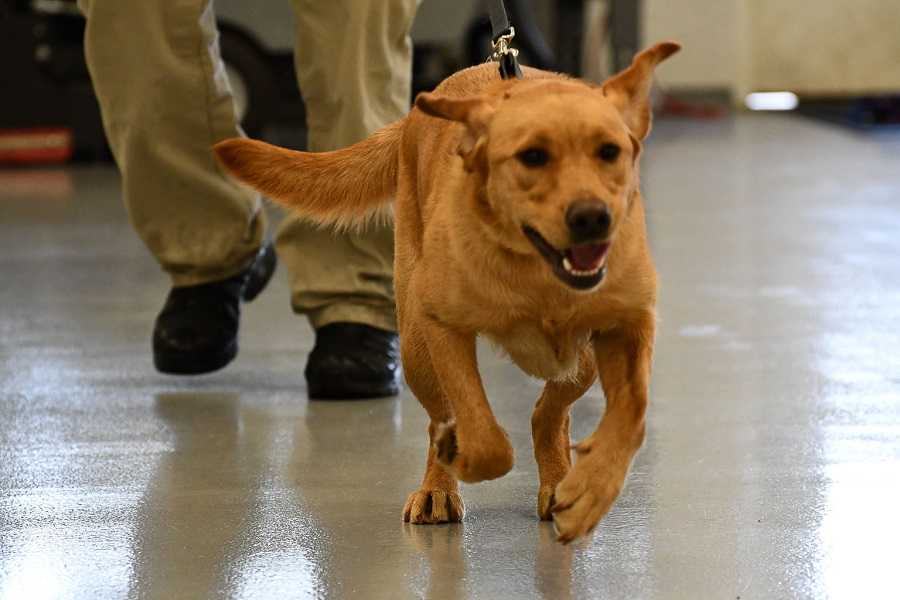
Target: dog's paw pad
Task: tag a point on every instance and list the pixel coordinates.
(433, 506)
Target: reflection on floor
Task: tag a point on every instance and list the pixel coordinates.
(771, 468)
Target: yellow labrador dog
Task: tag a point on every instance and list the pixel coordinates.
(518, 218)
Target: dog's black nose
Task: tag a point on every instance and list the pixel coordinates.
(588, 220)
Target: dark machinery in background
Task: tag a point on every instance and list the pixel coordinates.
(44, 80)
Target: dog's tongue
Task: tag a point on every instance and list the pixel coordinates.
(586, 257)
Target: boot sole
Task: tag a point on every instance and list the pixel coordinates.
(173, 363)
(350, 390)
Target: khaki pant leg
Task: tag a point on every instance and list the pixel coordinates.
(165, 101)
(354, 66)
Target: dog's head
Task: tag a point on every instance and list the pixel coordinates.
(558, 159)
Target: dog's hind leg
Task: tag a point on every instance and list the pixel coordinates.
(438, 499)
(550, 429)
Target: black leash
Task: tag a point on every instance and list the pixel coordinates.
(502, 34)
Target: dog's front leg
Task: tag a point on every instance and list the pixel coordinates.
(473, 446)
(587, 493)
(437, 500)
(550, 429)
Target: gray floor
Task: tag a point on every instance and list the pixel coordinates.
(771, 468)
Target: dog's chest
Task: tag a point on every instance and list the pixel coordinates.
(543, 349)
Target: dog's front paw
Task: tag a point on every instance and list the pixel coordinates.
(434, 506)
(475, 457)
(585, 495)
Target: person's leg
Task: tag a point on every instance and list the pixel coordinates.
(354, 61)
(165, 101)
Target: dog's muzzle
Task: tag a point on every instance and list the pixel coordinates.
(581, 266)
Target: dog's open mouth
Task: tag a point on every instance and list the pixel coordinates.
(581, 267)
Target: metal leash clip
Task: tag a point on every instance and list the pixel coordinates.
(502, 34)
(504, 54)
(501, 46)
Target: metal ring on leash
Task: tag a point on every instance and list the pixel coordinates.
(503, 34)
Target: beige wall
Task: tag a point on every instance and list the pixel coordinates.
(825, 46)
(710, 32)
(808, 46)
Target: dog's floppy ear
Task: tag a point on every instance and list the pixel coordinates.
(629, 90)
(475, 112)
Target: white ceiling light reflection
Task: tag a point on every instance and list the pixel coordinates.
(860, 529)
(32, 572)
(280, 574)
(51, 562)
(857, 356)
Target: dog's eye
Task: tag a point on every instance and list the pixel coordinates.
(534, 157)
(608, 152)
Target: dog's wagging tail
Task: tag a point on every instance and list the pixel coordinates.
(342, 188)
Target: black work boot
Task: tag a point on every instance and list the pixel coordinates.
(196, 332)
(353, 361)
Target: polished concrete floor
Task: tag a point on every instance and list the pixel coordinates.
(771, 467)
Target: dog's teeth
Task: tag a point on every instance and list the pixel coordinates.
(567, 265)
(578, 273)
